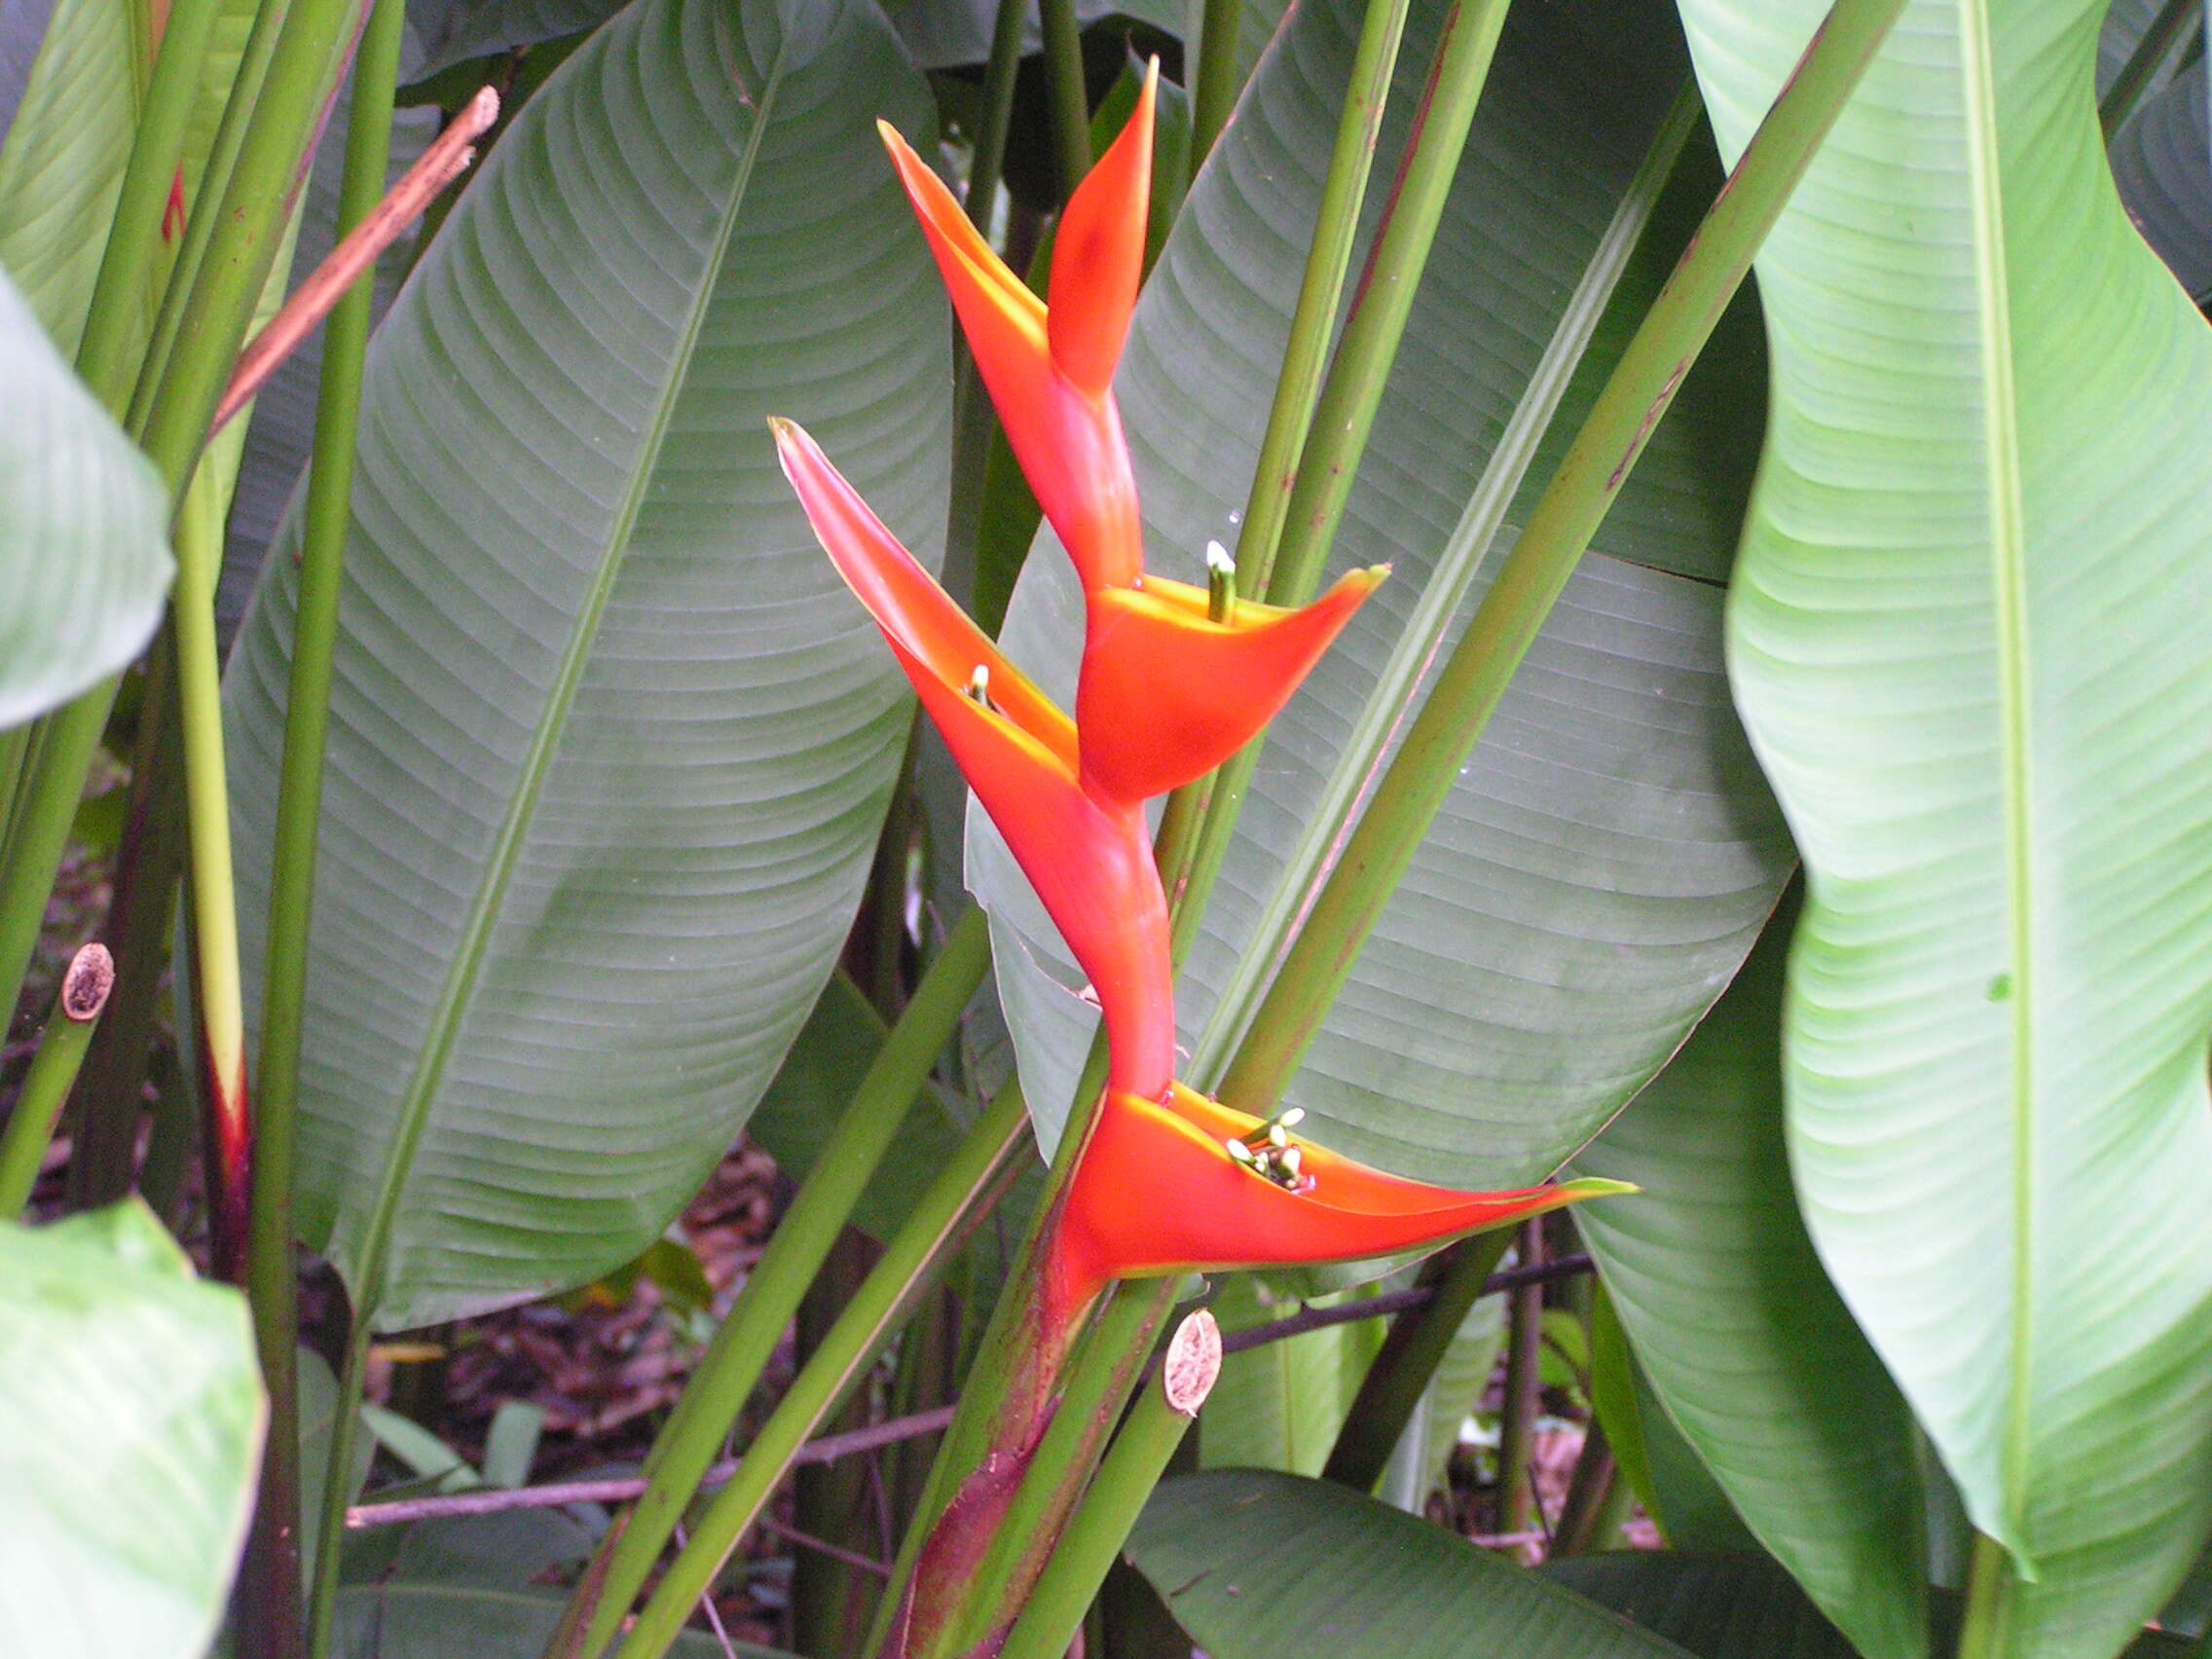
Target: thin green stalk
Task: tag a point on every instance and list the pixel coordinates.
(2175, 21)
(107, 353)
(218, 994)
(1344, 417)
(1313, 320)
(1390, 699)
(268, 1596)
(989, 162)
(330, 1539)
(1096, 1531)
(1091, 1404)
(77, 1007)
(1418, 1342)
(177, 393)
(15, 756)
(1558, 530)
(1213, 83)
(1589, 1518)
(954, 1201)
(1983, 1630)
(1064, 86)
(1517, 1413)
(692, 1438)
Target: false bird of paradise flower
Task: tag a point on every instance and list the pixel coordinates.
(1171, 683)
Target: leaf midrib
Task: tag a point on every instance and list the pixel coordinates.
(475, 940)
(2008, 572)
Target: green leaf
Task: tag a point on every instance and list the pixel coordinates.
(1609, 857)
(84, 539)
(133, 1415)
(1965, 640)
(1279, 1406)
(437, 1621)
(1745, 1606)
(1255, 1564)
(62, 162)
(1739, 1333)
(610, 741)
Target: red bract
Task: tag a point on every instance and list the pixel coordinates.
(1207, 686)
(1159, 1190)
(1089, 861)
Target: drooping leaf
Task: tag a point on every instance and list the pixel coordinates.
(133, 1415)
(1963, 640)
(1256, 1565)
(84, 539)
(1610, 852)
(1738, 1329)
(610, 744)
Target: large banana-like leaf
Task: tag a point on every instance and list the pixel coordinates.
(1611, 853)
(1256, 1565)
(61, 164)
(84, 539)
(2161, 160)
(1966, 637)
(1743, 1338)
(133, 1413)
(1280, 1405)
(610, 746)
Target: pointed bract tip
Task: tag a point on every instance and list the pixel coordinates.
(1595, 1187)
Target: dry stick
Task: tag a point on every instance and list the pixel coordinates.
(496, 1500)
(447, 158)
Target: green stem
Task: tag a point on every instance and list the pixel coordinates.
(1558, 530)
(1098, 1382)
(955, 1199)
(1094, 1537)
(1344, 419)
(1440, 602)
(989, 163)
(1419, 1340)
(692, 1438)
(269, 1581)
(1313, 320)
(2174, 21)
(1517, 1413)
(77, 1007)
(107, 352)
(1589, 1517)
(273, 114)
(1064, 86)
(15, 759)
(338, 1481)
(217, 993)
(1989, 1577)
(1213, 83)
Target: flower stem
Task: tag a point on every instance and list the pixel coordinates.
(268, 1597)
(1558, 530)
(77, 1007)
(1064, 86)
(1989, 1577)
(1213, 83)
(989, 163)
(954, 1201)
(1094, 1535)
(1480, 523)
(692, 1437)
(2152, 52)
(1313, 320)
(1418, 1342)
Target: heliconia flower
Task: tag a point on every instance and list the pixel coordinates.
(1090, 862)
(1209, 682)
(1193, 1186)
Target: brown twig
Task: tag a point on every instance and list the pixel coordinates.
(1391, 1302)
(493, 1501)
(448, 156)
